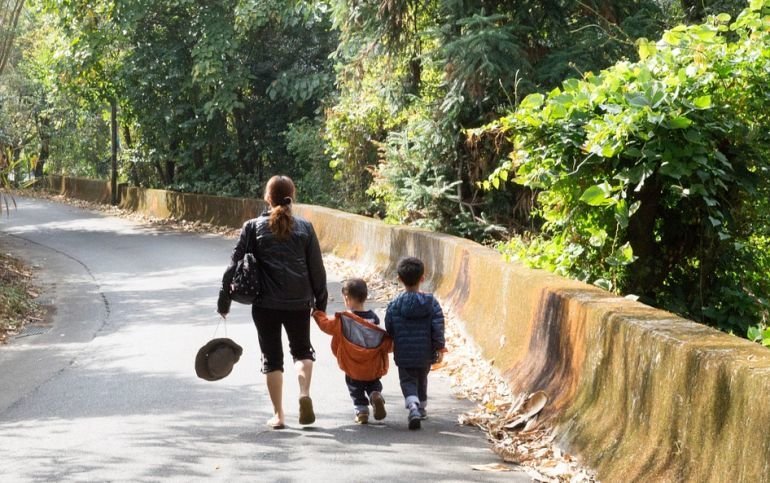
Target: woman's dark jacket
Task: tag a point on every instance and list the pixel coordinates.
(292, 270)
(416, 323)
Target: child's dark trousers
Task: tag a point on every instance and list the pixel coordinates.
(361, 391)
(414, 385)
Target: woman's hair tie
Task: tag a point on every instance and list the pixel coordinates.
(284, 202)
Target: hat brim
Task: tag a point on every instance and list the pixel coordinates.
(227, 354)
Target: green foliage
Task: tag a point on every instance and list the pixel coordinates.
(315, 182)
(205, 91)
(10, 171)
(652, 176)
(355, 128)
(759, 334)
(413, 76)
(10, 12)
(413, 180)
(482, 61)
(28, 99)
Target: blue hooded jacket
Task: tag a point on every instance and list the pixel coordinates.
(416, 323)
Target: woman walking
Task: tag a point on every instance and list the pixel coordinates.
(293, 282)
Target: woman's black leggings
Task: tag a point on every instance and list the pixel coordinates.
(269, 323)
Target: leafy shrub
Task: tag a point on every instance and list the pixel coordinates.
(315, 181)
(355, 127)
(653, 176)
(412, 180)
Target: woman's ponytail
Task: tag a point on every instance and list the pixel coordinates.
(279, 193)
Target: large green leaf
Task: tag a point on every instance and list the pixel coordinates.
(702, 102)
(532, 101)
(598, 195)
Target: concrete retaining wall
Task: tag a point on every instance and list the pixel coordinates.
(639, 393)
(96, 191)
(216, 210)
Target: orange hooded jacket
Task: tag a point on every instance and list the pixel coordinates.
(361, 348)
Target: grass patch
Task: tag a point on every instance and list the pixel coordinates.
(17, 296)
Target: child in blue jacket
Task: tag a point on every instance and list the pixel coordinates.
(416, 322)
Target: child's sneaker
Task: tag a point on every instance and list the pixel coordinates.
(414, 418)
(378, 403)
(362, 417)
(423, 413)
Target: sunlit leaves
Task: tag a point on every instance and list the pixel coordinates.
(646, 48)
(532, 101)
(702, 102)
(598, 195)
(648, 155)
(759, 334)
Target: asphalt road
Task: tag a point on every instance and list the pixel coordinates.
(106, 389)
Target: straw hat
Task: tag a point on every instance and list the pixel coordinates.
(216, 359)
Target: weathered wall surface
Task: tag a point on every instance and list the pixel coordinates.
(640, 394)
(96, 191)
(216, 210)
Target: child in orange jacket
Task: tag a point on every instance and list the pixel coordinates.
(361, 349)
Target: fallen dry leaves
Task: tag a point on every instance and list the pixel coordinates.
(16, 297)
(510, 420)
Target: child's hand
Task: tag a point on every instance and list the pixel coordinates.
(438, 356)
(438, 359)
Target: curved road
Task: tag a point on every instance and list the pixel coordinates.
(106, 390)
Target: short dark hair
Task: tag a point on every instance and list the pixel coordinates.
(410, 270)
(355, 288)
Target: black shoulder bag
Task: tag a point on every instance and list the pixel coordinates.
(244, 288)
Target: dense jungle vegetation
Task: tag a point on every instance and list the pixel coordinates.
(622, 142)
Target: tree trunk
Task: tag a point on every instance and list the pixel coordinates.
(242, 138)
(415, 76)
(44, 125)
(693, 10)
(114, 140)
(169, 166)
(170, 170)
(9, 20)
(644, 272)
(197, 156)
(130, 145)
(161, 171)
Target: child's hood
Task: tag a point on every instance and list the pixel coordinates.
(360, 332)
(415, 305)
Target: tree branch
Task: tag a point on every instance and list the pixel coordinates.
(9, 24)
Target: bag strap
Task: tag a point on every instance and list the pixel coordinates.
(248, 239)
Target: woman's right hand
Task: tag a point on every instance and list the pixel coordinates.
(223, 303)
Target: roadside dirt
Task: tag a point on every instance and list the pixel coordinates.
(17, 296)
